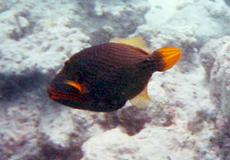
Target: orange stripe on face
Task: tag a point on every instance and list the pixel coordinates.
(76, 85)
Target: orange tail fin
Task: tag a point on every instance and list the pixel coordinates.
(170, 55)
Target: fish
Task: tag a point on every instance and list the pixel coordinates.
(102, 78)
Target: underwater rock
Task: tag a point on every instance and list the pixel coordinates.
(206, 23)
(132, 119)
(13, 26)
(5, 5)
(15, 19)
(146, 145)
(227, 2)
(161, 12)
(215, 58)
(102, 146)
(104, 20)
(45, 50)
(38, 133)
(69, 128)
(19, 132)
(221, 140)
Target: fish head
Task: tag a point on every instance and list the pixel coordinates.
(76, 95)
(68, 91)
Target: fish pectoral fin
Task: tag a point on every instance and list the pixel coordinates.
(135, 41)
(141, 100)
(76, 85)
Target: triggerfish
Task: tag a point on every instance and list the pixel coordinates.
(103, 78)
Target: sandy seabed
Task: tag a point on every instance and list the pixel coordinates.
(190, 113)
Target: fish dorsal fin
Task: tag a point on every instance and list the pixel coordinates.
(135, 41)
(141, 100)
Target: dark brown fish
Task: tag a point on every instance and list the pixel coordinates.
(103, 77)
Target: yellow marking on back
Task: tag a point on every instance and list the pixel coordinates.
(141, 100)
(136, 41)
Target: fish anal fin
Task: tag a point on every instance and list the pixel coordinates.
(141, 100)
(135, 41)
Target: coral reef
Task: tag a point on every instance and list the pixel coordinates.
(215, 58)
(190, 111)
(117, 21)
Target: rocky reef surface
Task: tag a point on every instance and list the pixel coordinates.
(190, 114)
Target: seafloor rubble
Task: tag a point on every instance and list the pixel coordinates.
(189, 116)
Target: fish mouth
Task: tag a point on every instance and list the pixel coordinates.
(171, 55)
(64, 95)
